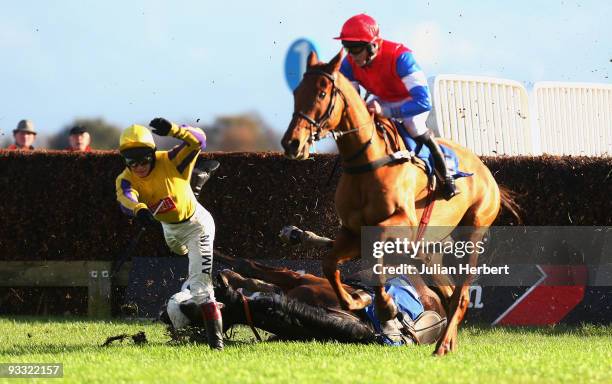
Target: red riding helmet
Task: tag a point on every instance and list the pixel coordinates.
(359, 28)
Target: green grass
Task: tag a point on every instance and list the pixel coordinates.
(498, 355)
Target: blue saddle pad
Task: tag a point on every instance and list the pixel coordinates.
(422, 152)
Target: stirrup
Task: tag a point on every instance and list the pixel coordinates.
(449, 190)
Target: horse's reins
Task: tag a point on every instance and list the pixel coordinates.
(248, 316)
(317, 126)
(393, 158)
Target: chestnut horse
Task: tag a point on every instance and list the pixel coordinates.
(384, 194)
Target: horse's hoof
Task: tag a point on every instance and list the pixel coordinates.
(351, 305)
(346, 304)
(361, 298)
(445, 346)
(442, 350)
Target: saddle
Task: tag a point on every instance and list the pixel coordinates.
(423, 153)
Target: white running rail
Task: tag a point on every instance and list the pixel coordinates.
(574, 118)
(488, 115)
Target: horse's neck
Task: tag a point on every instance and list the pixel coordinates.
(358, 117)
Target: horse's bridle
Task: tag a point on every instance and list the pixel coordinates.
(319, 124)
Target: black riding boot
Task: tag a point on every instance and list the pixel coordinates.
(202, 171)
(448, 183)
(213, 324)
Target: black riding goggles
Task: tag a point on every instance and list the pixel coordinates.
(139, 161)
(354, 47)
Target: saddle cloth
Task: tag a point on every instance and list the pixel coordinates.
(422, 152)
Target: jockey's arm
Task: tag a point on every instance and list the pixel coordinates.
(184, 156)
(127, 196)
(415, 81)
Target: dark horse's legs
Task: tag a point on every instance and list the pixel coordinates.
(257, 277)
(284, 278)
(236, 280)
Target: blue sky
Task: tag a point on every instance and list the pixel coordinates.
(129, 61)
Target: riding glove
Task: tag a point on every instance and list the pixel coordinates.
(161, 126)
(145, 218)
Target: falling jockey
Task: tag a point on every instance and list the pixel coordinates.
(389, 71)
(155, 186)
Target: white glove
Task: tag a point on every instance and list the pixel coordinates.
(374, 107)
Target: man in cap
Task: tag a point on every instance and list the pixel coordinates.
(79, 139)
(389, 71)
(155, 186)
(24, 136)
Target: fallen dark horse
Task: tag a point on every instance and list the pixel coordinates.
(296, 306)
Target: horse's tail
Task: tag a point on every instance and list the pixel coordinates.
(508, 201)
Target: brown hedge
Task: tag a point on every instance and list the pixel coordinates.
(61, 206)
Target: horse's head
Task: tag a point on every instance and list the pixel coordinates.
(318, 106)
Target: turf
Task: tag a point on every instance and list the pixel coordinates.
(500, 355)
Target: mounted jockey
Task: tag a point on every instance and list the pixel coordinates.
(389, 71)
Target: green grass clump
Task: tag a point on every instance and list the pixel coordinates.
(500, 355)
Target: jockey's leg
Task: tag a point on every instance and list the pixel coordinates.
(416, 127)
(198, 235)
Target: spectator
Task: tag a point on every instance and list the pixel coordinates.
(79, 139)
(24, 136)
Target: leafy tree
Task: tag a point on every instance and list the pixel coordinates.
(241, 133)
(5, 141)
(244, 132)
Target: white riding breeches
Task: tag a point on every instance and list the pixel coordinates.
(195, 237)
(415, 125)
